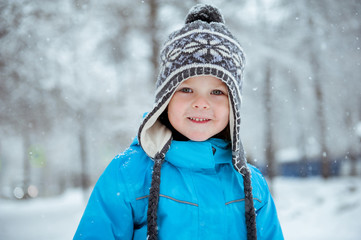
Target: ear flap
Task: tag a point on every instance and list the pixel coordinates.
(153, 136)
(231, 118)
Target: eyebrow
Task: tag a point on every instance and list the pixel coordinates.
(186, 85)
(222, 87)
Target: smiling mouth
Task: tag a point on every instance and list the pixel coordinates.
(199, 120)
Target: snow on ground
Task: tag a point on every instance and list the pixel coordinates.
(54, 218)
(308, 209)
(318, 209)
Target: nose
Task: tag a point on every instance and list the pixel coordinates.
(200, 103)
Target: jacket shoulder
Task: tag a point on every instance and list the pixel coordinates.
(255, 172)
(110, 210)
(133, 157)
(259, 184)
(134, 168)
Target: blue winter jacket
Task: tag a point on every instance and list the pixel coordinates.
(201, 196)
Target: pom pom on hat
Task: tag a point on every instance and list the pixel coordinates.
(205, 13)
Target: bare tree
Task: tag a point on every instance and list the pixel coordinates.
(153, 30)
(269, 138)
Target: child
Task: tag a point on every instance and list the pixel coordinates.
(191, 136)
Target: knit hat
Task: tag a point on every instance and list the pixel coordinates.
(204, 46)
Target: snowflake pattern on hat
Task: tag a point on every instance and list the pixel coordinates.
(210, 44)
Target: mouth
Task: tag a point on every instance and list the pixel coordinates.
(199, 120)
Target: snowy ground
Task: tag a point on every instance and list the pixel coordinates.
(41, 219)
(308, 209)
(316, 209)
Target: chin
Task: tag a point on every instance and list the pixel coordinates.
(198, 138)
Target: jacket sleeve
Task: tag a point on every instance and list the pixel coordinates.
(108, 214)
(268, 225)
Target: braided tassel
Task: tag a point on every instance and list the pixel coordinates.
(153, 199)
(249, 207)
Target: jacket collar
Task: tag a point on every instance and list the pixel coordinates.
(199, 155)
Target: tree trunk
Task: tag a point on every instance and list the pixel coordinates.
(269, 143)
(301, 138)
(26, 163)
(315, 67)
(358, 132)
(351, 155)
(85, 182)
(153, 16)
(325, 163)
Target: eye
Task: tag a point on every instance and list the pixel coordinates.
(217, 92)
(186, 90)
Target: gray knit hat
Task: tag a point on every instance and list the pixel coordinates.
(204, 46)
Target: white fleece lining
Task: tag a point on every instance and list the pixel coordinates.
(231, 118)
(155, 135)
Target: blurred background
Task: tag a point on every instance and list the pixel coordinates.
(76, 77)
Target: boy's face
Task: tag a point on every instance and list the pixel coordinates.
(199, 108)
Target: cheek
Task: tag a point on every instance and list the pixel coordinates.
(174, 110)
(177, 104)
(223, 108)
(172, 107)
(223, 114)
